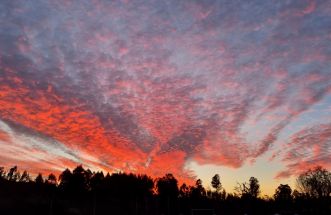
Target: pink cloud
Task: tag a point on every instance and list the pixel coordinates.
(306, 149)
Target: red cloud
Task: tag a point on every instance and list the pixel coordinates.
(128, 87)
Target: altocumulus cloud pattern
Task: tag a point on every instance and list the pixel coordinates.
(147, 86)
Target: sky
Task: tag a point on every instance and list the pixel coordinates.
(194, 88)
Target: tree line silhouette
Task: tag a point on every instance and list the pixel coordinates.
(82, 191)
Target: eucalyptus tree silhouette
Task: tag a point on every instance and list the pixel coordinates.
(249, 190)
(13, 174)
(39, 179)
(184, 191)
(283, 193)
(2, 173)
(167, 188)
(96, 181)
(216, 183)
(65, 181)
(254, 187)
(198, 191)
(25, 177)
(51, 179)
(80, 179)
(315, 182)
(283, 196)
(84, 192)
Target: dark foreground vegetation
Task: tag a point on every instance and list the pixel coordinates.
(85, 192)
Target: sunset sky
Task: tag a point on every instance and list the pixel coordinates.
(195, 88)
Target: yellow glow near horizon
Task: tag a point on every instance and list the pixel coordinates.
(262, 169)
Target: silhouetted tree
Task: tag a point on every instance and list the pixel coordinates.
(167, 188)
(65, 180)
(283, 193)
(13, 174)
(25, 177)
(296, 194)
(216, 183)
(51, 179)
(97, 181)
(241, 189)
(84, 192)
(223, 194)
(2, 173)
(184, 191)
(80, 179)
(248, 190)
(315, 183)
(39, 179)
(144, 185)
(198, 191)
(254, 187)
